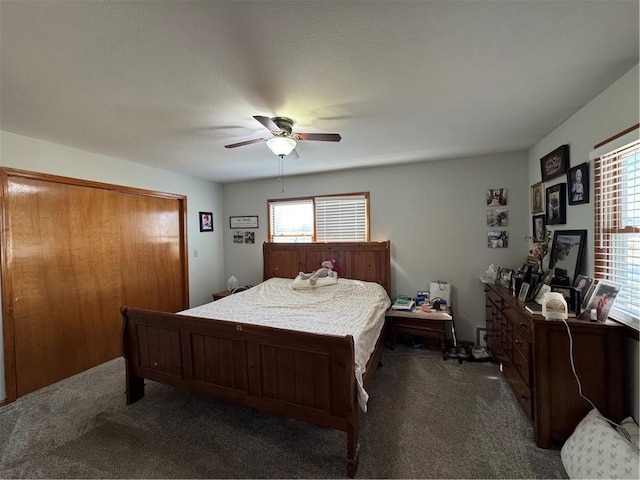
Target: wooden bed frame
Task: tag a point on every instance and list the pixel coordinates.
(301, 375)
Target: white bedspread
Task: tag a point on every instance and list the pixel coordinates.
(351, 307)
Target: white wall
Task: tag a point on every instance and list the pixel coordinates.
(434, 213)
(206, 273)
(613, 111)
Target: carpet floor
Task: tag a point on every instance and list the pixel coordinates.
(427, 418)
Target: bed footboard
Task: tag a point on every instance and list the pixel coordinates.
(295, 374)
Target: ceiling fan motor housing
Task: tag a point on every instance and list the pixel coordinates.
(284, 123)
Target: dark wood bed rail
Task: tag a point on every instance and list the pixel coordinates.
(301, 375)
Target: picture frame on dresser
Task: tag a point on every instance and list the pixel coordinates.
(602, 299)
(566, 257)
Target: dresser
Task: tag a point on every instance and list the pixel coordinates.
(534, 358)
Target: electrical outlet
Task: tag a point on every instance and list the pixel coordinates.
(195, 253)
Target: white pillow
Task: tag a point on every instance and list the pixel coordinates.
(300, 284)
(629, 430)
(596, 450)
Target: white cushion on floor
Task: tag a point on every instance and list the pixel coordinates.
(596, 450)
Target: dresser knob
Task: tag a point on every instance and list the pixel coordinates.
(155, 364)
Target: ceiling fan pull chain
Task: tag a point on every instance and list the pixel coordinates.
(281, 179)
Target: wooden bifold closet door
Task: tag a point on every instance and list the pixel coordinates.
(73, 253)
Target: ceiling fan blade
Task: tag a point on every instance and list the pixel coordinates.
(267, 123)
(248, 142)
(324, 137)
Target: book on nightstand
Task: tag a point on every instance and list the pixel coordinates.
(403, 305)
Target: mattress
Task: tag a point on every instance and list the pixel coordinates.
(350, 307)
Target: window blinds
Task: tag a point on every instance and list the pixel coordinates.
(617, 227)
(340, 219)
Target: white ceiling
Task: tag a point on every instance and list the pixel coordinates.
(168, 84)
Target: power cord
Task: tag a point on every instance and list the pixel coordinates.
(575, 374)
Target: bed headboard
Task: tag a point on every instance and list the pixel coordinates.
(368, 261)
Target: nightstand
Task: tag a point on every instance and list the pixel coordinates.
(222, 294)
(423, 324)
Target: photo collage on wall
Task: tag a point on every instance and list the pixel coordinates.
(497, 218)
(244, 237)
(549, 205)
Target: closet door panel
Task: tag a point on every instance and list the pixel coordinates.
(64, 264)
(151, 253)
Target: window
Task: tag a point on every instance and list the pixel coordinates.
(331, 218)
(617, 227)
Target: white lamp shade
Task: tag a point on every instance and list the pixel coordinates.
(281, 146)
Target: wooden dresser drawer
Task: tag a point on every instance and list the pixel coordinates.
(521, 344)
(520, 389)
(495, 298)
(521, 321)
(521, 364)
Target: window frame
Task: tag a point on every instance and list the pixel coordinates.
(313, 199)
(606, 226)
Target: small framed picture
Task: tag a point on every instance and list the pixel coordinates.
(578, 181)
(602, 298)
(556, 204)
(535, 286)
(206, 221)
(524, 291)
(537, 198)
(238, 237)
(555, 163)
(496, 197)
(498, 239)
(583, 284)
(497, 217)
(539, 228)
(249, 237)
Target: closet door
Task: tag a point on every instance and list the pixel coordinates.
(64, 271)
(152, 253)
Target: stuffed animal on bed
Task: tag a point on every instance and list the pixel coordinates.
(326, 270)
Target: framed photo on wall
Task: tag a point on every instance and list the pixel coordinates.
(557, 204)
(554, 164)
(206, 221)
(539, 228)
(497, 239)
(244, 222)
(537, 198)
(578, 181)
(497, 197)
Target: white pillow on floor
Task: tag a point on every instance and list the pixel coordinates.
(596, 450)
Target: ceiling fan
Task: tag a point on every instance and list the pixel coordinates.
(283, 141)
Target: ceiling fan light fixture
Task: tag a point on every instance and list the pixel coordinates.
(281, 146)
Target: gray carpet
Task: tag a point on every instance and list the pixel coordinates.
(427, 418)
